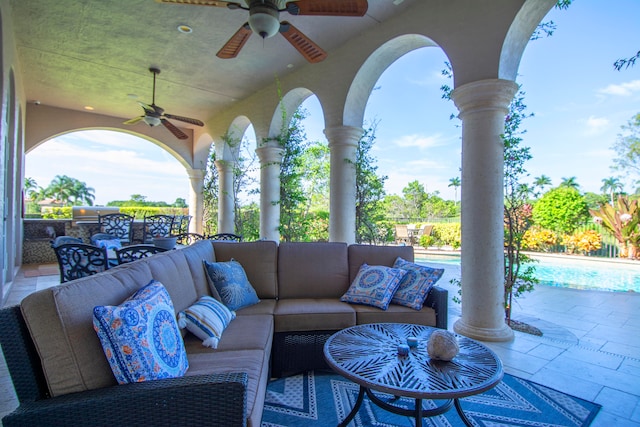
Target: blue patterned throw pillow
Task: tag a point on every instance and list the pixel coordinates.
(140, 337)
(109, 244)
(231, 283)
(416, 284)
(206, 319)
(374, 285)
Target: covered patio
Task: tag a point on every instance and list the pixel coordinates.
(76, 65)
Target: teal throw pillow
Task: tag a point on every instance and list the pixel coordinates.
(231, 284)
(374, 285)
(416, 284)
(207, 319)
(140, 337)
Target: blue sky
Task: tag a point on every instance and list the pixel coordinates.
(578, 99)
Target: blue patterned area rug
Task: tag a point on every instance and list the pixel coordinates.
(324, 399)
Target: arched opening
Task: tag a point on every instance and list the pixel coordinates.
(116, 165)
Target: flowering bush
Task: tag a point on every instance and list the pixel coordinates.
(539, 239)
(583, 241)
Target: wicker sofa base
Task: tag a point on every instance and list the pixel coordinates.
(296, 352)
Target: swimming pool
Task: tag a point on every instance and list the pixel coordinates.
(570, 273)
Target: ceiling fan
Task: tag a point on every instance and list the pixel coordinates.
(155, 115)
(264, 20)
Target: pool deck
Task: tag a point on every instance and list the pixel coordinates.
(590, 347)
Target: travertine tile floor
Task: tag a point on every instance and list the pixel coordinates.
(590, 347)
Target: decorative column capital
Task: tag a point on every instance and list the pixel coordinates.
(270, 154)
(482, 95)
(223, 166)
(196, 174)
(344, 135)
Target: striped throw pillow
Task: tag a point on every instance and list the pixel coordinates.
(207, 319)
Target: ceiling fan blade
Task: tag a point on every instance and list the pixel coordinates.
(215, 3)
(174, 130)
(328, 7)
(185, 119)
(311, 51)
(232, 47)
(133, 121)
(149, 109)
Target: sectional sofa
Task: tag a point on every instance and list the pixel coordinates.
(62, 377)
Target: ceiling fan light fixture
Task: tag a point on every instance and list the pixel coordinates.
(264, 20)
(152, 121)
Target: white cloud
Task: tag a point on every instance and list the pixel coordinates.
(419, 141)
(622, 89)
(596, 125)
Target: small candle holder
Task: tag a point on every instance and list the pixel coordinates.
(412, 342)
(403, 350)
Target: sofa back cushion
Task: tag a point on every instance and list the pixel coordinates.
(376, 255)
(259, 260)
(312, 270)
(60, 321)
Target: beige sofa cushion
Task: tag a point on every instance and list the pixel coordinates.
(242, 333)
(313, 314)
(202, 250)
(318, 270)
(254, 362)
(395, 314)
(60, 322)
(376, 255)
(258, 259)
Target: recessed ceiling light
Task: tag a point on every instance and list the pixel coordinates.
(289, 65)
(185, 29)
(132, 96)
(88, 108)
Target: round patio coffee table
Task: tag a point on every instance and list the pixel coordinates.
(368, 356)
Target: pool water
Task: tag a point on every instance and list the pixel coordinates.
(570, 273)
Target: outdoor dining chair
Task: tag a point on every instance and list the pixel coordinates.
(117, 224)
(133, 252)
(186, 239)
(180, 224)
(156, 226)
(230, 237)
(78, 260)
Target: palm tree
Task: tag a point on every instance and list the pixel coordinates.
(541, 182)
(69, 191)
(455, 183)
(611, 185)
(570, 182)
(30, 188)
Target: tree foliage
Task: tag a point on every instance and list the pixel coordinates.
(69, 191)
(371, 226)
(562, 209)
(627, 149)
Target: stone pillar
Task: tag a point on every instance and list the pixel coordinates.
(343, 144)
(270, 158)
(483, 106)
(196, 199)
(226, 201)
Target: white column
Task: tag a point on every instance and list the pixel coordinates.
(196, 199)
(483, 106)
(226, 202)
(343, 144)
(270, 160)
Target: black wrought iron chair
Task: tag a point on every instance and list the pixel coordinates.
(117, 224)
(180, 224)
(230, 237)
(133, 252)
(156, 226)
(78, 260)
(188, 238)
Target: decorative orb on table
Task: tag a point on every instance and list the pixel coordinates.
(442, 345)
